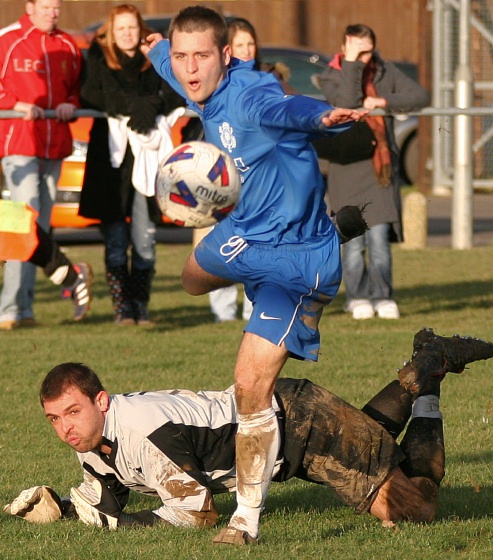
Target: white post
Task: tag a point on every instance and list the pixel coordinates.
(462, 201)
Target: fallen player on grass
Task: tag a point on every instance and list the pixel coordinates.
(180, 445)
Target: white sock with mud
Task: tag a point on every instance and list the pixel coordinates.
(257, 446)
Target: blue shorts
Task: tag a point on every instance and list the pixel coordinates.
(288, 284)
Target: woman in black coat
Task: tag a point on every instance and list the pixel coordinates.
(120, 81)
(358, 77)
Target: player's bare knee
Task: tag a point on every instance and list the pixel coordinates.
(190, 286)
(189, 278)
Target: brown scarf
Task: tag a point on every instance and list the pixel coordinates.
(381, 156)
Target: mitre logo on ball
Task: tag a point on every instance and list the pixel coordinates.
(197, 185)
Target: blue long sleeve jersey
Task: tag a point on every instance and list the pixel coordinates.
(267, 133)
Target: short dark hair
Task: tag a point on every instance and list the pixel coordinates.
(360, 30)
(200, 18)
(70, 374)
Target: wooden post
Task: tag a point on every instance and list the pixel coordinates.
(415, 221)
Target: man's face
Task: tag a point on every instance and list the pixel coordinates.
(44, 14)
(77, 420)
(198, 64)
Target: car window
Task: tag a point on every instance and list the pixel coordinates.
(301, 71)
(408, 68)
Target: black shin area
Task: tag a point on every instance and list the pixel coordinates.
(45, 249)
(49, 257)
(391, 408)
(424, 448)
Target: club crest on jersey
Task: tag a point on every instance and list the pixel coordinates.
(227, 137)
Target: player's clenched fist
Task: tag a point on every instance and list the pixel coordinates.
(38, 504)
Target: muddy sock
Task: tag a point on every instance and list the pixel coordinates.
(257, 446)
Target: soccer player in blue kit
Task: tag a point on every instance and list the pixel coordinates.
(278, 241)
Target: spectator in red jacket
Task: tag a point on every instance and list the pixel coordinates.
(40, 70)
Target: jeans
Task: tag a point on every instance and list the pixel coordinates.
(32, 180)
(371, 281)
(139, 234)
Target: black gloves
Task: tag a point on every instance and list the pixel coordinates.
(143, 112)
(349, 222)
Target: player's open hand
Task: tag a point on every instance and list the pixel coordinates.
(341, 116)
(105, 513)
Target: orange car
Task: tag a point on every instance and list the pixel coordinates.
(66, 207)
(64, 214)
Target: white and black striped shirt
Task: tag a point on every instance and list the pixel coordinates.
(177, 444)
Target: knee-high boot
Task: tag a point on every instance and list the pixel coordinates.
(141, 281)
(119, 282)
(424, 448)
(391, 408)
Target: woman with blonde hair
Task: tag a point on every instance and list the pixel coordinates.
(118, 186)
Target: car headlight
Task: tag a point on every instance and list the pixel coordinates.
(79, 151)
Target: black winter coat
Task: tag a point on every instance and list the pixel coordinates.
(356, 183)
(107, 193)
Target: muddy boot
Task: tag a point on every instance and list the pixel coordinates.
(119, 283)
(458, 351)
(141, 291)
(434, 356)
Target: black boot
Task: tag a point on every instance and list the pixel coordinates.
(434, 356)
(119, 283)
(141, 291)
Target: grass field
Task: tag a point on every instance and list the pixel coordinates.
(451, 291)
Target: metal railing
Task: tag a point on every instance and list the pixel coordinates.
(463, 182)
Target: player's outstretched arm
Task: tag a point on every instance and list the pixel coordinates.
(107, 512)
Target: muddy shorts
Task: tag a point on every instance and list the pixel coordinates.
(330, 442)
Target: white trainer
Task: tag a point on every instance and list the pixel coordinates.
(387, 309)
(360, 308)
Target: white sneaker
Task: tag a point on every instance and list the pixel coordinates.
(360, 308)
(387, 309)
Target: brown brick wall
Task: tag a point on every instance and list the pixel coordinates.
(315, 23)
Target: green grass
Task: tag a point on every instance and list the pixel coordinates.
(451, 291)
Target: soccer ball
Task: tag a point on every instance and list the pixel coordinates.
(197, 185)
